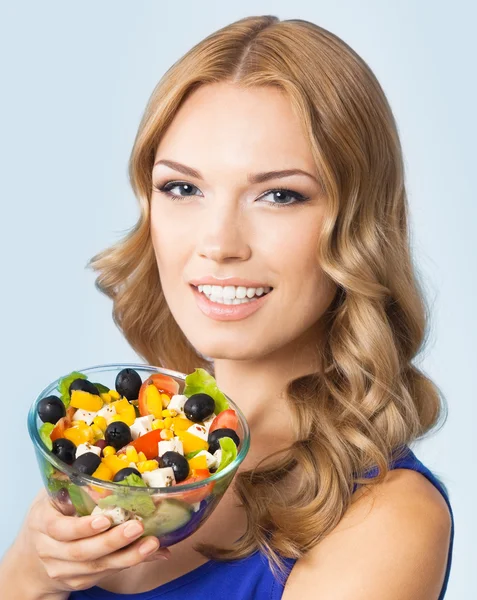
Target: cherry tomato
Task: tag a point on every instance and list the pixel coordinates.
(199, 494)
(227, 419)
(65, 422)
(147, 443)
(165, 385)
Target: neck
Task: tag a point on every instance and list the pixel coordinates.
(258, 386)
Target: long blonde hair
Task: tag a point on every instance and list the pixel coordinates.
(369, 399)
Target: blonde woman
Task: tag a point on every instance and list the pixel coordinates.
(268, 162)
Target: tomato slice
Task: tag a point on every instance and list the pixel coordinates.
(199, 494)
(62, 424)
(226, 419)
(147, 443)
(165, 385)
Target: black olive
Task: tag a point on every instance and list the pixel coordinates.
(198, 407)
(83, 385)
(86, 463)
(118, 434)
(123, 473)
(65, 450)
(51, 409)
(64, 501)
(128, 382)
(215, 436)
(179, 464)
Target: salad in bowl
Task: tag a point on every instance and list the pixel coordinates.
(133, 441)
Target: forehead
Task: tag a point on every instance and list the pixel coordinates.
(237, 126)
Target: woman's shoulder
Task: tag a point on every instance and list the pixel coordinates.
(394, 536)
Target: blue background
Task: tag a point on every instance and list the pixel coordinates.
(75, 80)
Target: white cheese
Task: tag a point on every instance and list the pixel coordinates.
(195, 507)
(163, 477)
(174, 445)
(210, 458)
(177, 403)
(141, 426)
(218, 456)
(87, 447)
(198, 430)
(208, 422)
(116, 515)
(107, 412)
(84, 415)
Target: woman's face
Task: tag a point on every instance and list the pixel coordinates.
(229, 222)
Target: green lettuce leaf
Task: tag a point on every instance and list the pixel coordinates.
(229, 452)
(102, 389)
(140, 503)
(202, 382)
(64, 385)
(190, 455)
(80, 499)
(45, 431)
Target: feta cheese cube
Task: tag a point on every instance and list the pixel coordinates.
(116, 514)
(212, 462)
(195, 507)
(87, 447)
(198, 430)
(208, 422)
(107, 412)
(218, 456)
(177, 403)
(141, 426)
(174, 445)
(163, 477)
(84, 415)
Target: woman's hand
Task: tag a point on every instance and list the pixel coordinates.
(55, 555)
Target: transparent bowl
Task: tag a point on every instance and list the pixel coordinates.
(170, 513)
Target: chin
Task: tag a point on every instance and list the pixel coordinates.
(226, 350)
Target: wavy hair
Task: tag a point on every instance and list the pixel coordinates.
(369, 400)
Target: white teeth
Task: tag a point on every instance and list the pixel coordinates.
(241, 292)
(231, 294)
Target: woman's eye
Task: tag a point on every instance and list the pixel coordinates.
(282, 197)
(187, 189)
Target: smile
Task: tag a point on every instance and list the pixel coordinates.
(231, 294)
(229, 303)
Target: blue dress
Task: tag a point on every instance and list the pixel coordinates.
(250, 578)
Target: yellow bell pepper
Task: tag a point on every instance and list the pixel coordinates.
(78, 435)
(86, 401)
(181, 423)
(114, 463)
(191, 442)
(153, 401)
(198, 462)
(103, 472)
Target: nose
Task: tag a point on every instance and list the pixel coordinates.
(223, 234)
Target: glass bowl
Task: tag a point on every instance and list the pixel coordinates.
(169, 513)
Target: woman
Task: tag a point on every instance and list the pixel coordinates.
(268, 162)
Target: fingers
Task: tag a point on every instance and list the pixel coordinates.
(66, 529)
(96, 546)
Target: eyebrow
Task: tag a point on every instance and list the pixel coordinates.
(252, 177)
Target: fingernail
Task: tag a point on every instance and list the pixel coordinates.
(132, 529)
(148, 547)
(100, 523)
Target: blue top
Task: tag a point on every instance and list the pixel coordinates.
(250, 577)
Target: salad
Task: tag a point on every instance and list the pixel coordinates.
(139, 435)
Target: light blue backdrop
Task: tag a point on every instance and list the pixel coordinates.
(75, 80)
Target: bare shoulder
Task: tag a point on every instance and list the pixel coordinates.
(391, 543)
